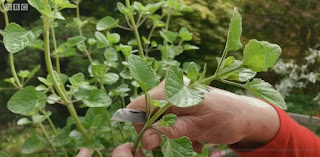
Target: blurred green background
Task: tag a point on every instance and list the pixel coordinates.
(293, 24)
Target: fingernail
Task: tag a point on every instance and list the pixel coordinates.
(153, 141)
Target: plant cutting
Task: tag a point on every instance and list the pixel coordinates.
(118, 71)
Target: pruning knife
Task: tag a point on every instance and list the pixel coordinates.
(129, 115)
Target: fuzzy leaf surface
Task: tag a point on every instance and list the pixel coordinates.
(180, 147)
(265, 91)
(235, 31)
(260, 55)
(178, 93)
(142, 73)
(26, 100)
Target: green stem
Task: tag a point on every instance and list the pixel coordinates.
(135, 29)
(50, 122)
(11, 60)
(78, 17)
(80, 33)
(121, 132)
(233, 83)
(46, 135)
(148, 124)
(54, 41)
(207, 80)
(13, 70)
(224, 54)
(65, 99)
(112, 131)
(123, 101)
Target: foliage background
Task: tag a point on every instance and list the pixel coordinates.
(293, 24)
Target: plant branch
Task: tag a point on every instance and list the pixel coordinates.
(232, 83)
(135, 29)
(11, 60)
(125, 28)
(148, 124)
(46, 135)
(65, 99)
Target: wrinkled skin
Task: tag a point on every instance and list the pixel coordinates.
(221, 118)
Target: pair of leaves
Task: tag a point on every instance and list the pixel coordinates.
(234, 70)
(258, 56)
(16, 38)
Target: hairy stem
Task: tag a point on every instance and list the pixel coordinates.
(46, 135)
(135, 29)
(61, 93)
(11, 60)
(148, 125)
(80, 33)
(233, 83)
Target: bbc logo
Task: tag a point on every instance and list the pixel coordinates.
(17, 6)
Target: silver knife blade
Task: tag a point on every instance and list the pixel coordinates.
(129, 115)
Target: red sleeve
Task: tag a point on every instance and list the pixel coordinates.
(292, 140)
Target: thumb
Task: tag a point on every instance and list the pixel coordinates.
(185, 126)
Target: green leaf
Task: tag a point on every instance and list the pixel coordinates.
(73, 41)
(184, 34)
(125, 49)
(66, 4)
(169, 36)
(188, 47)
(16, 38)
(142, 73)
(97, 98)
(124, 10)
(61, 139)
(106, 23)
(102, 38)
(45, 81)
(41, 118)
(235, 31)
(260, 55)
(233, 70)
(34, 71)
(23, 121)
(96, 121)
(192, 72)
(178, 93)
(33, 144)
(168, 120)
(110, 78)
(113, 37)
(153, 7)
(36, 44)
(37, 4)
(265, 91)
(23, 73)
(111, 54)
(180, 147)
(92, 114)
(26, 101)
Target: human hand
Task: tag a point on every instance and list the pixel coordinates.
(123, 150)
(221, 118)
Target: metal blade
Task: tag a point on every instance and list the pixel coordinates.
(129, 115)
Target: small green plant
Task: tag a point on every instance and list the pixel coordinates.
(117, 73)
